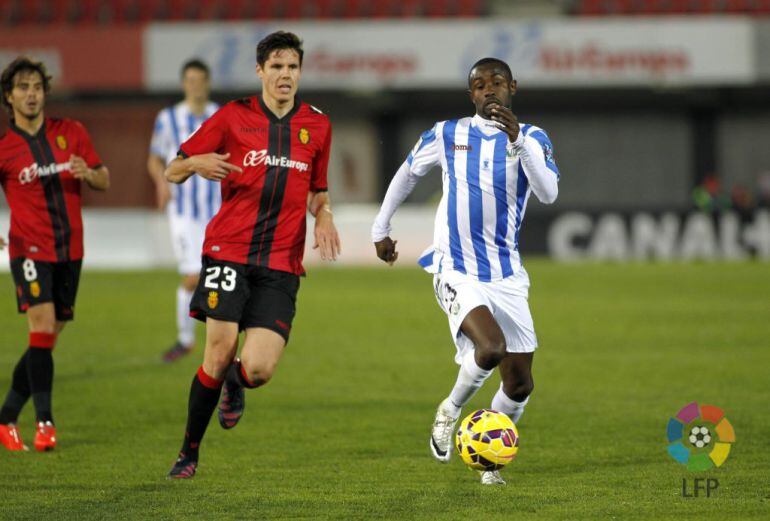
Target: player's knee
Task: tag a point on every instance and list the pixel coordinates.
(490, 352)
(258, 374)
(43, 325)
(42, 319)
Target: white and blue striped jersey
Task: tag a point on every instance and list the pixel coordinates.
(487, 182)
(198, 199)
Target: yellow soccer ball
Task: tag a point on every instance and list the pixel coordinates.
(487, 440)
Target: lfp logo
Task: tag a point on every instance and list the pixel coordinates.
(700, 437)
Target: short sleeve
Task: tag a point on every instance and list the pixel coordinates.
(425, 154)
(210, 137)
(85, 148)
(318, 179)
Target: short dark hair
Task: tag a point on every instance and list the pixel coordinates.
(491, 61)
(22, 64)
(276, 41)
(195, 63)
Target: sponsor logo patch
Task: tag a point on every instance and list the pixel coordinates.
(33, 171)
(260, 157)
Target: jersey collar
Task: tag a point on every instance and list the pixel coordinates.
(25, 134)
(272, 117)
(486, 126)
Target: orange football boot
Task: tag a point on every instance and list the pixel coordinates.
(11, 438)
(45, 437)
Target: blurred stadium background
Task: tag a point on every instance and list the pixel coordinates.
(657, 108)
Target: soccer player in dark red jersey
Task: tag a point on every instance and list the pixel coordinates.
(43, 163)
(270, 152)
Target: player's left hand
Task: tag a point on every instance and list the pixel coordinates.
(79, 168)
(326, 236)
(506, 121)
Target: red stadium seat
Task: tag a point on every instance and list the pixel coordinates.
(107, 12)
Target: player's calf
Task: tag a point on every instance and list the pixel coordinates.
(519, 391)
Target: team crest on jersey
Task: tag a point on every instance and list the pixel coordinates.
(213, 300)
(304, 136)
(61, 142)
(34, 288)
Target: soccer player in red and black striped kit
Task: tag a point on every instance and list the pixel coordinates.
(270, 152)
(43, 163)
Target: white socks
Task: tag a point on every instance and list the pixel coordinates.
(512, 408)
(469, 379)
(185, 324)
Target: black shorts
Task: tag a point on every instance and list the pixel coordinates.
(38, 282)
(252, 296)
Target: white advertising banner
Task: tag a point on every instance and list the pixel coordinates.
(365, 55)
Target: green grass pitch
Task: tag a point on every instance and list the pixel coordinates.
(342, 430)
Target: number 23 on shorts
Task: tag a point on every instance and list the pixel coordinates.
(220, 277)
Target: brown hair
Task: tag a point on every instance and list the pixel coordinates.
(276, 41)
(22, 64)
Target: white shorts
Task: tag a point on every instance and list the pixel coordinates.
(458, 294)
(187, 240)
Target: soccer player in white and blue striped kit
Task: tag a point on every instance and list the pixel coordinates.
(491, 164)
(190, 206)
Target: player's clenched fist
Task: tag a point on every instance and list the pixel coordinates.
(386, 250)
(506, 121)
(214, 166)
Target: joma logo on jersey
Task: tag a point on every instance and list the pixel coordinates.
(463, 148)
(33, 171)
(259, 157)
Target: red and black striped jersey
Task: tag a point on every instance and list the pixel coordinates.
(44, 196)
(262, 219)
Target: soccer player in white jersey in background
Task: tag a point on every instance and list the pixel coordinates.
(190, 206)
(491, 164)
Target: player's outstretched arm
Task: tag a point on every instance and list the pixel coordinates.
(211, 166)
(400, 187)
(326, 237)
(96, 178)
